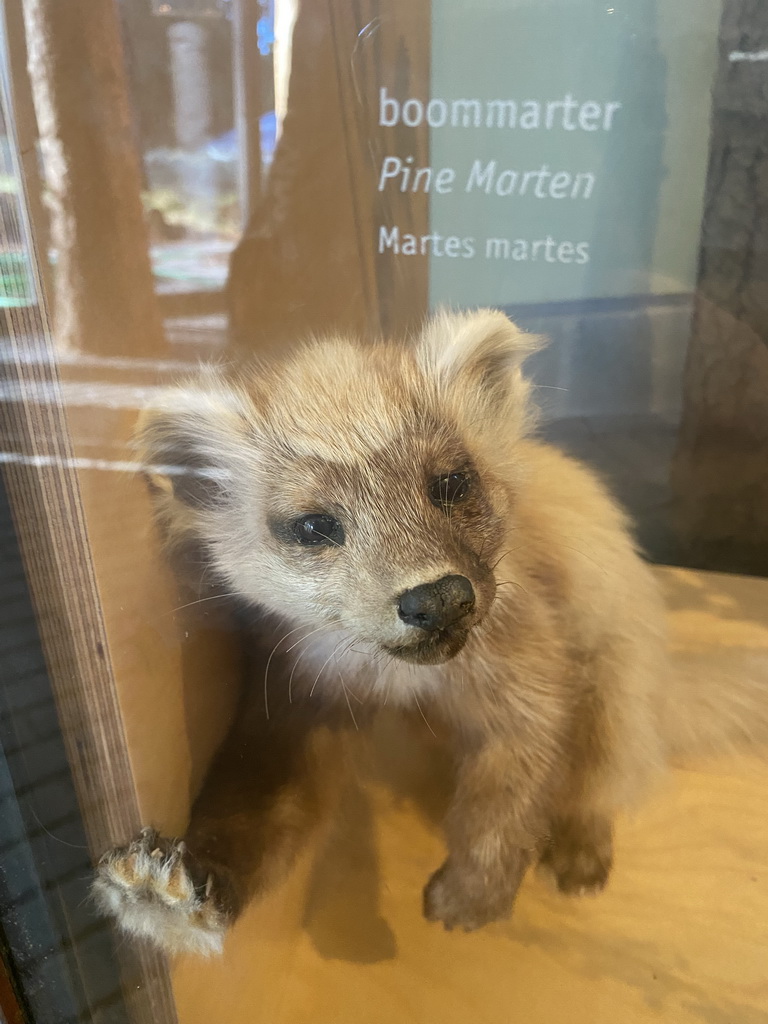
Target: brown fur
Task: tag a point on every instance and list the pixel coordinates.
(553, 691)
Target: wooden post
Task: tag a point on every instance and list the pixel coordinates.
(309, 260)
(104, 294)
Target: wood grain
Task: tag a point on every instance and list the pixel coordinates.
(679, 935)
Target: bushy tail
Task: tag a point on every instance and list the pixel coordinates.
(717, 698)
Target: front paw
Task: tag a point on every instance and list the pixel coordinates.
(155, 889)
(580, 855)
(581, 872)
(462, 899)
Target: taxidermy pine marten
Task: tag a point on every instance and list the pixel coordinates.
(395, 532)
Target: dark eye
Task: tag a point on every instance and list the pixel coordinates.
(449, 489)
(318, 529)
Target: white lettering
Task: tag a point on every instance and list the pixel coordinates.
(582, 185)
(413, 113)
(497, 249)
(610, 110)
(567, 114)
(389, 169)
(466, 113)
(481, 177)
(389, 240)
(437, 113)
(501, 114)
(505, 183)
(444, 180)
(389, 110)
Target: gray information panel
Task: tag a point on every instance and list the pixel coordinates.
(568, 148)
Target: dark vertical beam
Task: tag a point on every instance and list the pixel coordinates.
(721, 465)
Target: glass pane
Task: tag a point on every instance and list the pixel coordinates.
(276, 644)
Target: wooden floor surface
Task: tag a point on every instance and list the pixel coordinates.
(680, 935)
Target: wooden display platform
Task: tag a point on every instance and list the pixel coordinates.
(680, 935)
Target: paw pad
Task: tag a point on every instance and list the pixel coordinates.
(155, 889)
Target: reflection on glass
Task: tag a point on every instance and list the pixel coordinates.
(184, 181)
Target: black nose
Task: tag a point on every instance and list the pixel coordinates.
(437, 605)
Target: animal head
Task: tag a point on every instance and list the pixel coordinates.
(355, 486)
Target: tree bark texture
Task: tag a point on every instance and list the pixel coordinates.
(720, 475)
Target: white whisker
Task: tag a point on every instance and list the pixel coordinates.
(269, 662)
(328, 625)
(423, 715)
(201, 600)
(331, 655)
(341, 680)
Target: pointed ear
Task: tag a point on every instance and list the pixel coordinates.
(478, 356)
(192, 440)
